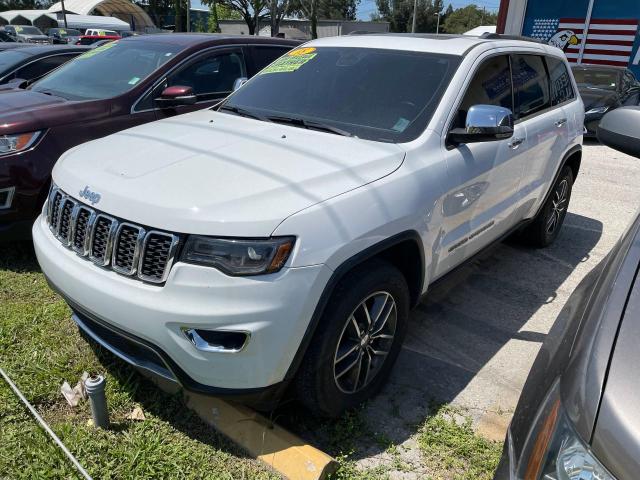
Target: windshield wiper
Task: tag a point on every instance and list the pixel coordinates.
(301, 122)
(243, 113)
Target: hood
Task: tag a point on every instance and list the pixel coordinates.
(598, 97)
(27, 110)
(220, 174)
(616, 438)
(33, 37)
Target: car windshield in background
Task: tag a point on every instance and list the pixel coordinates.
(11, 57)
(604, 79)
(28, 30)
(106, 71)
(374, 94)
(67, 33)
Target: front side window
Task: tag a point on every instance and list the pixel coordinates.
(41, 67)
(561, 87)
(107, 71)
(376, 94)
(491, 85)
(530, 84)
(211, 76)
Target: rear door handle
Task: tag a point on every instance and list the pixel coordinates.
(561, 122)
(515, 143)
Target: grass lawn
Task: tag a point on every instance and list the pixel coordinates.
(40, 348)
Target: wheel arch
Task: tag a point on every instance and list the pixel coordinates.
(403, 250)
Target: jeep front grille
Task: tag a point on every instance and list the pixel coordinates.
(109, 242)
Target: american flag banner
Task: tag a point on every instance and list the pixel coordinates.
(608, 41)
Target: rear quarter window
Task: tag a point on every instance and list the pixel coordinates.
(561, 86)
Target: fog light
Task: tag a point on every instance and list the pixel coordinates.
(6, 197)
(217, 340)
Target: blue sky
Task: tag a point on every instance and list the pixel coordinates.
(367, 7)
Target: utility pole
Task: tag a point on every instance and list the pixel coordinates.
(438, 24)
(415, 11)
(64, 14)
(188, 15)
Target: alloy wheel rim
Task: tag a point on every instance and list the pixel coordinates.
(559, 205)
(365, 341)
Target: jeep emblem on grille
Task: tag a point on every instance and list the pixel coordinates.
(92, 197)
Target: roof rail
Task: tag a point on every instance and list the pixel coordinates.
(501, 36)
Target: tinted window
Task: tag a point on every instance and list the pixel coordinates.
(108, 70)
(9, 58)
(41, 67)
(214, 74)
(491, 85)
(263, 56)
(598, 78)
(26, 30)
(531, 85)
(561, 87)
(376, 94)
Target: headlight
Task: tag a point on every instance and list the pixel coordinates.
(238, 256)
(17, 142)
(560, 454)
(597, 110)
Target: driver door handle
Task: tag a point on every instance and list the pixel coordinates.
(515, 143)
(561, 122)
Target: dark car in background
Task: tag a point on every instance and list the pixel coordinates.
(64, 36)
(107, 89)
(26, 34)
(5, 37)
(578, 416)
(603, 89)
(33, 63)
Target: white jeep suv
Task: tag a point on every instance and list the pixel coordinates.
(282, 238)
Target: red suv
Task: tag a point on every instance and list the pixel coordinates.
(110, 88)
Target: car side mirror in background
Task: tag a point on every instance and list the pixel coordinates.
(484, 123)
(175, 96)
(15, 83)
(620, 130)
(239, 82)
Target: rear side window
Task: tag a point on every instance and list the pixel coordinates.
(263, 56)
(561, 87)
(531, 85)
(491, 85)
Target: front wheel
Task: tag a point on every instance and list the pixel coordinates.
(357, 342)
(544, 229)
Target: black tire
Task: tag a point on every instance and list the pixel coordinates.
(544, 229)
(316, 385)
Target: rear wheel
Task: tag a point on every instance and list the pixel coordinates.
(544, 229)
(357, 342)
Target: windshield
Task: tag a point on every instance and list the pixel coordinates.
(9, 58)
(605, 79)
(106, 71)
(66, 33)
(375, 94)
(28, 30)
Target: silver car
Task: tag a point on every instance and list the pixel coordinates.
(578, 416)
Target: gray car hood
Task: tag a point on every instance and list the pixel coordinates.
(616, 438)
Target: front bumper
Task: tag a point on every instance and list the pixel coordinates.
(275, 309)
(591, 123)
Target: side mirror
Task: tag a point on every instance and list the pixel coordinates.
(175, 96)
(618, 129)
(239, 82)
(484, 123)
(15, 83)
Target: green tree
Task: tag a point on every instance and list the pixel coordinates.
(464, 19)
(323, 9)
(251, 11)
(399, 14)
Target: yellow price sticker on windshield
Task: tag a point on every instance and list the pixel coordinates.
(97, 50)
(292, 61)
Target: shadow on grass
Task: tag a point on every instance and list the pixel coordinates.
(18, 257)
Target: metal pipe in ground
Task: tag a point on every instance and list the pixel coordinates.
(95, 388)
